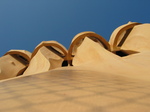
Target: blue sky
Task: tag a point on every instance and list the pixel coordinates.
(25, 23)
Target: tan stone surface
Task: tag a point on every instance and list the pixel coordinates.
(120, 34)
(91, 55)
(73, 89)
(79, 38)
(13, 63)
(46, 56)
(138, 39)
(23, 53)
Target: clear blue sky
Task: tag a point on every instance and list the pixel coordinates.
(25, 23)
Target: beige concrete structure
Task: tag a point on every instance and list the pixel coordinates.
(75, 90)
(131, 38)
(14, 63)
(103, 77)
(46, 56)
(120, 35)
(79, 38)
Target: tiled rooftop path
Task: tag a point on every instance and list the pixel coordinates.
(74, 91)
